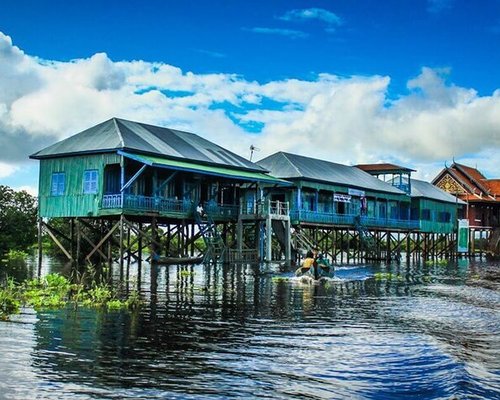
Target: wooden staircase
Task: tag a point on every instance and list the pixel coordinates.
(215, 246)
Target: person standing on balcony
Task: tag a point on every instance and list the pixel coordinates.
(200, 210)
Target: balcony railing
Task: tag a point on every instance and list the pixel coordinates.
(347, 219)
(147, 203)
(166, 206)
(263, 208)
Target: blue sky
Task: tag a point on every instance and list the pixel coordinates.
(365, 81)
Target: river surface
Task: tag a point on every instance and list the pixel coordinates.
(372, 332)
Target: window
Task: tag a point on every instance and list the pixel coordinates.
(444, 217)
(90, 180)
(426, 214)
(58, 183)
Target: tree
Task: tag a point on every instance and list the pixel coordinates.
(18, 217)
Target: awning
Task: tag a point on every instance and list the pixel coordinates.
(205, 169)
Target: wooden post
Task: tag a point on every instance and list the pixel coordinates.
(40, 232)
(72, 238)
(139, 253)
(408, 247)
(128, 255)
(78, 240)
(121, 247)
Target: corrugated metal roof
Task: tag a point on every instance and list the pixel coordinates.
(288, 166)
(205, 169)
(428, 190)
(119, 134)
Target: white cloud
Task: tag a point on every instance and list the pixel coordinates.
(278, 31)
(350, 120)
(331, 19)
(7, 169)
(33, 190)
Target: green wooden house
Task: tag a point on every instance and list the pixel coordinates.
(328, 193)
(125, 167)
(434, 209)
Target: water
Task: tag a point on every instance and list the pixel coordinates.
(217, 333)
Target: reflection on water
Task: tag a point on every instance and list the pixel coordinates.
(372, 332)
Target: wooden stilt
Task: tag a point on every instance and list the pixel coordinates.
(40, 250)
(122, 236)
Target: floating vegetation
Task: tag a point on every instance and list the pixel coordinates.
(387, 276)
(279, 279)
(56, 291)
(441, 263)
(185, 272)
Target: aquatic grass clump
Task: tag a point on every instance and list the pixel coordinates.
(16, 255)
(48, 292)
(186, 273)
(387, 276)
(441, 263)
(9, 302)
(56, 291)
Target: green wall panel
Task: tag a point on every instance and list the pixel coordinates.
(73, 203)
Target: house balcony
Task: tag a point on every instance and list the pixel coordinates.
(259, 210)
(137, 204)
(298, 216)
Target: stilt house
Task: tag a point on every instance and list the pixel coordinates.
(324, 192)
(121, 166)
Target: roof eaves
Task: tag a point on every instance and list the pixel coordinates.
(153, 154)
(73, 153)
(473, 180)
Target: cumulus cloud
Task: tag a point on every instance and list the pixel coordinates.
(342, 119)
(277, 31)
(6, 169)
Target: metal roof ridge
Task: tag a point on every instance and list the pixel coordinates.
(291, 163)
(115, 121)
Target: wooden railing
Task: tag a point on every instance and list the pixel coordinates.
(349, 220)
(265, 208)
(167, 206)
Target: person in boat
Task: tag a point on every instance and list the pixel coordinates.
(308, 265)
(323, 265)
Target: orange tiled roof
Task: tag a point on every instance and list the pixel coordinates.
(478, 188)
(493, 185)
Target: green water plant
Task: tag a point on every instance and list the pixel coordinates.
(9, 302)
(185, 272)
(387, 276)
(56, 291)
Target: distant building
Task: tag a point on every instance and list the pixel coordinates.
(481, 195)
(435, 209)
